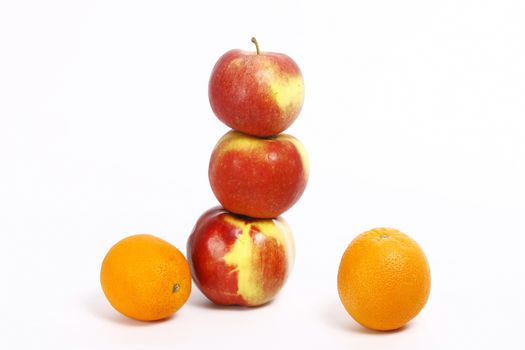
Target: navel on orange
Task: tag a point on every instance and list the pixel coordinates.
(145, 278)
(383, 279)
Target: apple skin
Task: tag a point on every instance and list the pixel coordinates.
(260, 94)
(236, 260)
(258, 177)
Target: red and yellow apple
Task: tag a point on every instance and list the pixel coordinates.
(236, 260)
(258, 93)
(258, 177)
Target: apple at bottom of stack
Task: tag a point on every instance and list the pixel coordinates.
(237, 260)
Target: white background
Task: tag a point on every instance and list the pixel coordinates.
(413, 119)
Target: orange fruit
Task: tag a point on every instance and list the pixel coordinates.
(145, 278)
(383, 279)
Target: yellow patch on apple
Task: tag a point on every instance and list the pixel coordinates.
(239, 142)
(242, 254)
(288, 92)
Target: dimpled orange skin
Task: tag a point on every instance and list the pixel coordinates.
(383, 279)
(145, 278)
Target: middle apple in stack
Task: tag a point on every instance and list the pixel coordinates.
(241, 254)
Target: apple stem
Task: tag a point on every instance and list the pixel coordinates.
(256, 44)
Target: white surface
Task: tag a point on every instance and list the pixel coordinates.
(413, 118)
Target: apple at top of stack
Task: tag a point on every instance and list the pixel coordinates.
(258, 93)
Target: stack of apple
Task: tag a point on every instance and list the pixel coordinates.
(242, 253)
